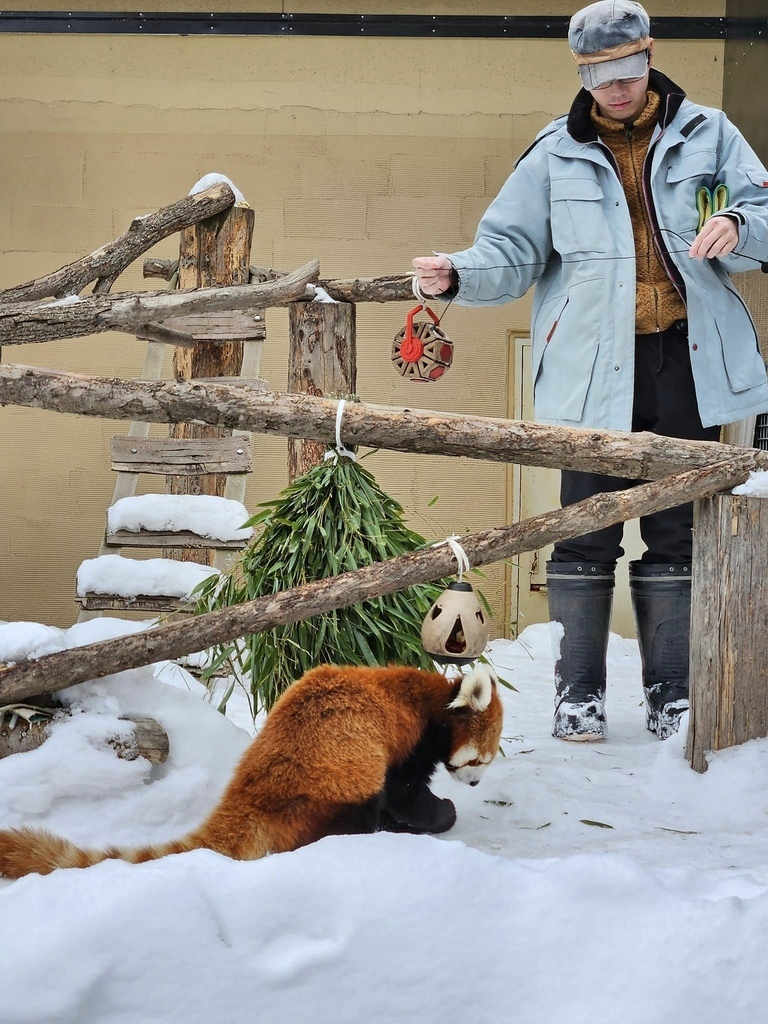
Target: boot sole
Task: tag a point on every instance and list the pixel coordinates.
(582, 737)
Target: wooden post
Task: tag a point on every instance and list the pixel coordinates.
(729, 625)
(322, 361)
(214, 252)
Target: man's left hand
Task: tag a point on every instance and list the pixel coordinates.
(718, 237)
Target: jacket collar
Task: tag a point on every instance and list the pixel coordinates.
(580, 125)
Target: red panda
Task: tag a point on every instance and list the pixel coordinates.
(344, 750)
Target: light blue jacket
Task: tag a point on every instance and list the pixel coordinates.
(562, 222)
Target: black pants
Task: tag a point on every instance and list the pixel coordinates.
(664, 403)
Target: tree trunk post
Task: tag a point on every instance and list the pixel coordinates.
(213, 252)
(729, 625)
(322, 361)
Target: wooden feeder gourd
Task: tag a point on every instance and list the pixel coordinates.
(455, 631)
(421, 352)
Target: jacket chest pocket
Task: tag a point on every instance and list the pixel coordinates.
(577, 216)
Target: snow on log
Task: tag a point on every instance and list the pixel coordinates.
(131, 577)
(207, 515)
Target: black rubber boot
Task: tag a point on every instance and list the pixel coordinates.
(580, 596)
(661, 600)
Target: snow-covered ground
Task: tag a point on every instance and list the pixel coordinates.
(582, 883)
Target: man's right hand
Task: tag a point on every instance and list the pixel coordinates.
(433, 274)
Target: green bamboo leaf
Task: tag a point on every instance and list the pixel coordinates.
(332, 518)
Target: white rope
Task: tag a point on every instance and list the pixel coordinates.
(417, 291)
(340, 449)
(461, 555)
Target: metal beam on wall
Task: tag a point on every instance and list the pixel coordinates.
(748, 26)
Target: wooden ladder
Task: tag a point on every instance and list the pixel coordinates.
(137, 453)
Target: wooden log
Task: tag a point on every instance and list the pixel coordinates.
(391, 288)
(322, 361)
(65, 668)
(213, 253)
(110, 260)
(24, 323)
(149, 739)
(729, 625)
(640, 456)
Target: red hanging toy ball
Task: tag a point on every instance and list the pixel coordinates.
(421, 352)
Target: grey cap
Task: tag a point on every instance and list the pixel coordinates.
(608, 41)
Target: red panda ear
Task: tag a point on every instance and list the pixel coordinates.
(475, 691)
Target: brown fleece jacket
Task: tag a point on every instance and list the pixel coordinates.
(658, 302)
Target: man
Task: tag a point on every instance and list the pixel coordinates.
(628, 215)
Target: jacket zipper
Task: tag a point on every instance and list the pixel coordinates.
(639, 185)
(669, 266)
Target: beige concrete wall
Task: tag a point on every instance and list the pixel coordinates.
(363, 152)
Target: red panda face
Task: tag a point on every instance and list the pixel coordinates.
(477, 716)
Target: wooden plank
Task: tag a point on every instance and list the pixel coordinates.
(181, 456)
(741, 432)
(167, 539)
(227, 325)
(251, 383)
(729, 625)
(140, 603)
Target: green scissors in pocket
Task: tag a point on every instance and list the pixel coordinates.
(710, 201)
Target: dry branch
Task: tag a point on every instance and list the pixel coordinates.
(22, 323)
(110, 260)
(395, 288)
(65, 668)
(640, 456)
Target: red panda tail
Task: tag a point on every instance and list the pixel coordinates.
(26, 850)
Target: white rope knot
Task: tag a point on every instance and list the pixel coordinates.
(340, 449)
(461, 555)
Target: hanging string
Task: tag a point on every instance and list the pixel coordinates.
(583, 259)
(461, 556)
(340, 449)
(422, 298)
